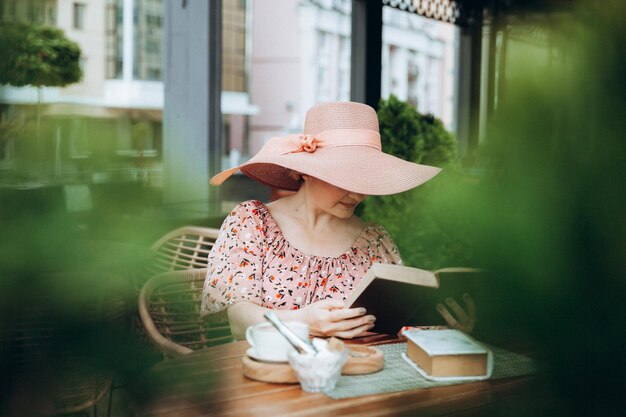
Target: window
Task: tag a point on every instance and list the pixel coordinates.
(51, 15)
(35, 13)
(82, 63)
(154, 21)
(79, 15)
(234, 46)
(413, 81)
(148, 37)
(154, 74)
(114, 39)
(323, 84)
(78, 138)
(343, 93)
(153, 47)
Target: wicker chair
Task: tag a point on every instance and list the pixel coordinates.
(169, 308)
(185, 248)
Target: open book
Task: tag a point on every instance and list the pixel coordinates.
(402, 296)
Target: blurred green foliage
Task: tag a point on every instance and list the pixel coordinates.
(426, 225)
(38, 56)
(546, 220)
(548, 217)
(66, 301)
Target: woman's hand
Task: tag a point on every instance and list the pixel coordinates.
(330, 318)
(465, 319)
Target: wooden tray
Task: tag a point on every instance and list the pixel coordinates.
(279, 373)
(362, 360)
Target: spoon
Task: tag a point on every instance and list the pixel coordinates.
(301, 345)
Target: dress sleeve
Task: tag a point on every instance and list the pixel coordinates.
(235, 267)
(387, 251)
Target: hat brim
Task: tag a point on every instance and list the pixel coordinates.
(363, 170)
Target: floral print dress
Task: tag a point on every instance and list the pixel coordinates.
(252, 261)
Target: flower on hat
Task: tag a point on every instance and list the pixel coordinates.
(308, 143)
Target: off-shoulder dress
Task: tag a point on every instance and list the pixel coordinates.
(252, 261)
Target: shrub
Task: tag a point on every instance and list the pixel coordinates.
(420, 138)
(429, 229)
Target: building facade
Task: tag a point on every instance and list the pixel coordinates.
(301, 56)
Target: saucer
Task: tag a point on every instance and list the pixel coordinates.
(252, 354)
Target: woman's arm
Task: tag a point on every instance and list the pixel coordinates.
(244, 314)
(325, 318)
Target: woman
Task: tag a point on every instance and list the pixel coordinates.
(302, 254)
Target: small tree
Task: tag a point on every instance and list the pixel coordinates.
(40, 56)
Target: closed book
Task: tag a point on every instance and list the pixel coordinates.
(447, 353)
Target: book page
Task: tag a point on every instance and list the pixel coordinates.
(402, 273)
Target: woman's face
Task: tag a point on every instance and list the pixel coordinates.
(331, 199)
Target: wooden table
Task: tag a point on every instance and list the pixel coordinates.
(210, 382)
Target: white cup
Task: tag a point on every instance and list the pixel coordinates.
(269, 345)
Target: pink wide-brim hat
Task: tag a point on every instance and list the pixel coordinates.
(341, 146)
